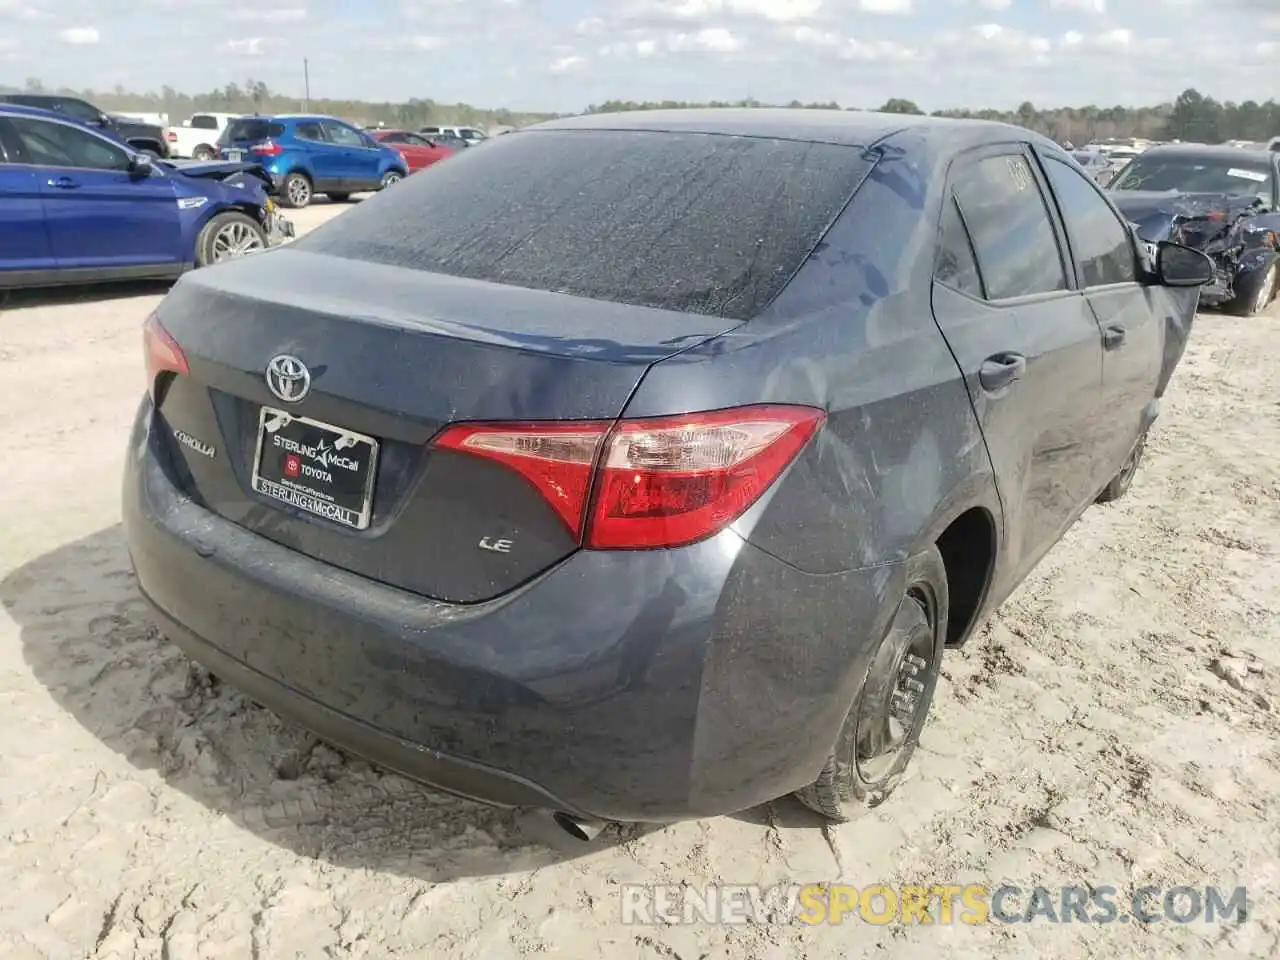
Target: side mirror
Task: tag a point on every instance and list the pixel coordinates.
(1179, 266)
(140, 165)
(103, 121)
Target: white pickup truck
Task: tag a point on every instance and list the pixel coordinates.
(197, 138)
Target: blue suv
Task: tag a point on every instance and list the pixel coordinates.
(310, 154)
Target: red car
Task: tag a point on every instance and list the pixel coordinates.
(418, 152)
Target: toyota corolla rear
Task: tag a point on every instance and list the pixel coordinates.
(385, 480)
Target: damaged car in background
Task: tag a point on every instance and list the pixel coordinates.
(81, 207)
(1224, 201)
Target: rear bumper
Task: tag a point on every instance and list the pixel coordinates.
(647, 685)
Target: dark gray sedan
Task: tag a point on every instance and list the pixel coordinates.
(641, 467)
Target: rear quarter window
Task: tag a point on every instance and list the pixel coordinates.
(698, 223)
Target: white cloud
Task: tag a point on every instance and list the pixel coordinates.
(897, 8)
(268, 14)
(878, 51)
(709, 39)
(813, 36)
(79, 35)
(566, 64)
(247, 47)
(1080, 6)
(781, 11)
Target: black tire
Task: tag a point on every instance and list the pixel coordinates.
(338, 197)
(1256, 290)
(845, 787)
(203, 152)
(230, 222)
(296, 191)
(390, 179)
(1123, 480)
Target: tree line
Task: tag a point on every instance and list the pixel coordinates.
(1192, 116)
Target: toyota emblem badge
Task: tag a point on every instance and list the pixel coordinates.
(288, 378)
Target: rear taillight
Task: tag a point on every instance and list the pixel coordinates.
(171, 136)
(162, 353)
(637, 484)
(268, 149)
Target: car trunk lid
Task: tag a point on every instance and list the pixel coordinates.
(393, 356)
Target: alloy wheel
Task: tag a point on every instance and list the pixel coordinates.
(299, 192)
(235, 240)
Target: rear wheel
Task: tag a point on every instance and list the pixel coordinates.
(1255, 290)
(883, 727)
(295, 191)
(1123, 480)
(229, 236)
(203, 152)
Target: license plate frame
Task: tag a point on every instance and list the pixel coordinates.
(306, 494)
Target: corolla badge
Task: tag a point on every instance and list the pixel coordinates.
(288, 378)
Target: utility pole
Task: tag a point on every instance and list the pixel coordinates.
(306, 81)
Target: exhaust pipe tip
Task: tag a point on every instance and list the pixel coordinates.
(584, 830)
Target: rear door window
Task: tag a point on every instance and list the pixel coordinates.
(202, 121)
(1013, 237)
(309, 130)
(957, 265)
(1100, 242)
(343, 135)
(693, 222)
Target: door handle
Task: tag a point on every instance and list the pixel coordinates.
(64, 183)
(1113, 336)
(1000, 370)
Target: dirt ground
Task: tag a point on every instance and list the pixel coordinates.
(1116, 723)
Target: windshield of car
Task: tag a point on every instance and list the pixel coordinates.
(1237, 176)
(692, 222)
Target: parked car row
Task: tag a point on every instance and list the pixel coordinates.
(145, 137)
(77, 204)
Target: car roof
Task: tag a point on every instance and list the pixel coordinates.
(844, 127)
(21, 110)
(1214, 151)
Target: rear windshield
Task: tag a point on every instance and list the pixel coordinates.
(691, 222)
(253, 128)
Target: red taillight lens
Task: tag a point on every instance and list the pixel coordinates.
(662, 482)
(268, 149)
(675, 480)
(556, 458)
(162, 353)
(171, 136)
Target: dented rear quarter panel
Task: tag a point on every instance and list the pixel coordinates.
(902, 453)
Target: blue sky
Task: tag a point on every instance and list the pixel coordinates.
(564, 54)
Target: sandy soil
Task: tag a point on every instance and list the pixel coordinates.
(1116, 723)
